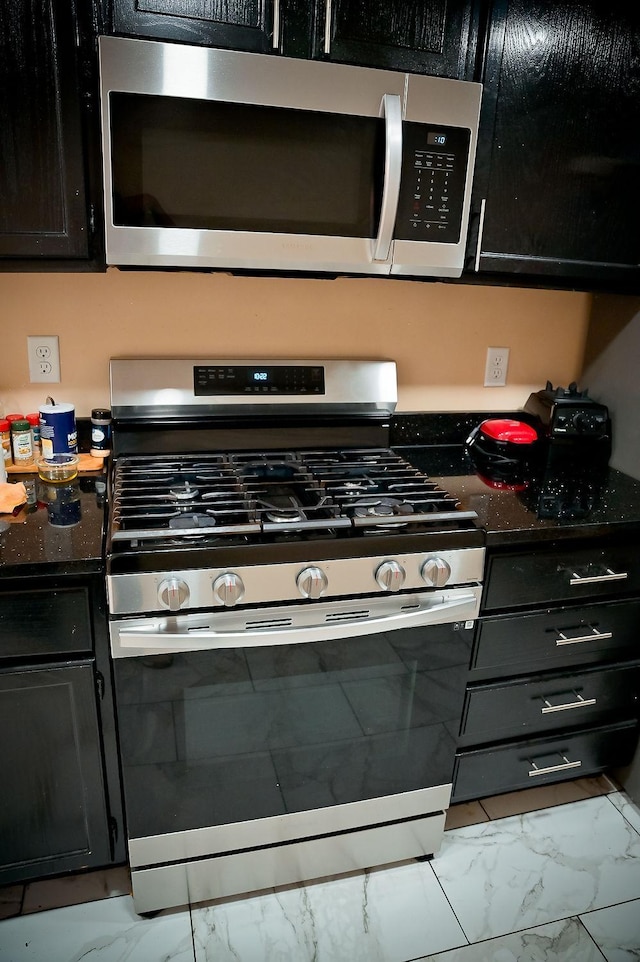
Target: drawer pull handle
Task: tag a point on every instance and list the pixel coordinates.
(609, 575)
(596, 635)
(581, 702)
(553, 768)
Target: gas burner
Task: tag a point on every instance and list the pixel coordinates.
(381, 508)
(193, 520)
(284, 517)
(184, 493)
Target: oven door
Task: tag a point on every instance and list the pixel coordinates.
(244, 730)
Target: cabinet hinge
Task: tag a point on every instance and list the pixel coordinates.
(92, 219)
(100, 685)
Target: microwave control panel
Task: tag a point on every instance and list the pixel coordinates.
(434, 172)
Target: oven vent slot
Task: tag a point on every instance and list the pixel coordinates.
(269, 623)
(349, 615)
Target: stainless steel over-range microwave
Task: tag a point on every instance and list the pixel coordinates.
(220, 159)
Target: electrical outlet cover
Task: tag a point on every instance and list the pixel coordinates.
(44, 358)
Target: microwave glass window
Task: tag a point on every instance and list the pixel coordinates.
(218, 166)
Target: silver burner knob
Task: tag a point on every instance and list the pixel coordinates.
(312, 582)
(391, 576)
(228, 589)
(436, 572)
(173, 593)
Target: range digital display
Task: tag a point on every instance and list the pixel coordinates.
(242, 379)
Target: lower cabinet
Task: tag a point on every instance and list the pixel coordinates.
(553, 689)
(53, 806)
(525, 764)
(60, 803)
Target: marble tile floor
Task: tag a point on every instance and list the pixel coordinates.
(552, 873)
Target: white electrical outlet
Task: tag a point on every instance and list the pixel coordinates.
(495, 372)
(44, 358)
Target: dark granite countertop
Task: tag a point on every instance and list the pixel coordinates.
(567, 500)
(61, 533)
(605, 503)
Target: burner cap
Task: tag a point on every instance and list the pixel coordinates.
(192, 521)
(184, 493)
(381, 507)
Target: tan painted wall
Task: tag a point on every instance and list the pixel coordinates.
(437, 333)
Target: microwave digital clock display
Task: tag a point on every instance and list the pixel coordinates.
(243, 379)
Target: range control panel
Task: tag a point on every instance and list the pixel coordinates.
(434, 171)
(238, 379)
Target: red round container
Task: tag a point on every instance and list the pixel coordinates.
(504, 449)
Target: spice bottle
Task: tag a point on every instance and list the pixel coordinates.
(21, 442)
(100, 433)
(34, 424)
(5, 440)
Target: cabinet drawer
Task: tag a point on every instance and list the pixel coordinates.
(594, 697)
(554, 576)
(527, 643)
(45, 622)
(517, 765)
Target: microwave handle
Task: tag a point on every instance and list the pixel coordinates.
(391, 110)
(276, 24)
(328, 15)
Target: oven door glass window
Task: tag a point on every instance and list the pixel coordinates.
(216, 737)
(218, 166)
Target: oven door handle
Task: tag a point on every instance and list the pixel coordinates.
(150, 638)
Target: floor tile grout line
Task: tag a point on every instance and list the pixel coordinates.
(537, 925)
(612, 905)
(450, 906)
(629, 823)
(598, 948)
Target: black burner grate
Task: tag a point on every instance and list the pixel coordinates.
(255, 495)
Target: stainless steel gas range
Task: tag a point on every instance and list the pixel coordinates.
(292, 607)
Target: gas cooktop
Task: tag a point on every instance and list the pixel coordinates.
(257, 496)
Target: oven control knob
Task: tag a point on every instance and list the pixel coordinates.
(173, 593)
(391, 576)
(312, 582)
(436, 572)
(228, 589)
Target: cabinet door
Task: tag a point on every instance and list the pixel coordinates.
(43, 208)
(45, 622)
(239, 25)
(559, 152)
(436, 37)
(53, 815)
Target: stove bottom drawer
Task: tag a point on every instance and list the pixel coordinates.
(236, 873)
(525, 764)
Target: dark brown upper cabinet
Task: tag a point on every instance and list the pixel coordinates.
(422, 36)
(436, 37)
(557, 185)
(239, 24)
(43, 210)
